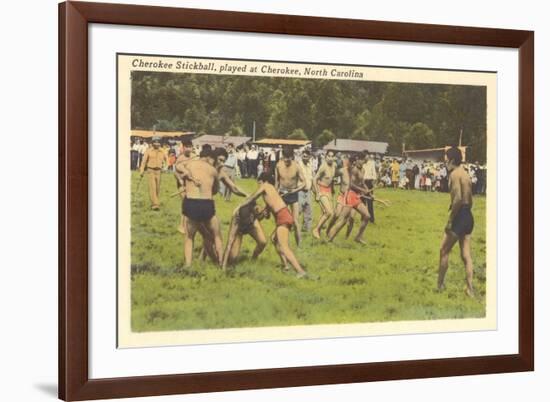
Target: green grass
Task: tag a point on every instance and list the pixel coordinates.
(393, 278)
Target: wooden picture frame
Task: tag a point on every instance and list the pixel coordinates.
(74, 381)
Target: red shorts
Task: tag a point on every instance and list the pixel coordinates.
(284, 217)
(324, 190)
(350, 199)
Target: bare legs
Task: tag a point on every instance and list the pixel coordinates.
(335, 217)
(231, 240)
(346, 217)
(468, 264)
(449, 240)
(191, 229)
(234, 242)
(328, 213)
(214, 227)
(210, 232)
(340, 222)
(295, 209)
(365, 217)
(258, 235)
(280, 239)
(181, 227)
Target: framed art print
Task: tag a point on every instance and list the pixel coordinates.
(256, 201)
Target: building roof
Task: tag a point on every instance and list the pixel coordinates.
(282, 141)
(162, 134)
(220, 140)
(345, 145)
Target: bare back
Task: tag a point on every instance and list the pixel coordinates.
(181, 162)
(272, 198)
(460, 187)
(207, 177)
(180, 167)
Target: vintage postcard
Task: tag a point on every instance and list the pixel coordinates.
(268, 200)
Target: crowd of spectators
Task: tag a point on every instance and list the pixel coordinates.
(249, 161)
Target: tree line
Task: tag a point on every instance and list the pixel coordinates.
(419, 115)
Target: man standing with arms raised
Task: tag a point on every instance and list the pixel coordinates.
(289, 181)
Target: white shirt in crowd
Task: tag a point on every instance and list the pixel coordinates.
(142, 148)
(307, 171)
(241, 155)
(369, 170)
(252, 154)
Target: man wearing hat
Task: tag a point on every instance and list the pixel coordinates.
(153, 162)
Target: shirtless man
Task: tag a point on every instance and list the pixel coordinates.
(289, 181)
(283, 220)
(201, 177)
(245, 221)
(351, 200)
(461, 221)
(322, 187)
(185, 156)
(340, 210)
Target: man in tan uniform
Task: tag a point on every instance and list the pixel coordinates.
(153, 162)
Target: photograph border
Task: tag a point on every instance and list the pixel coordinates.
(74, 20)
(177, 336)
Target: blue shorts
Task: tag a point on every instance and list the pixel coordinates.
(197, 209)
(290, 198)
(463, 223)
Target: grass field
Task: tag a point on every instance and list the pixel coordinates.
(393, 278)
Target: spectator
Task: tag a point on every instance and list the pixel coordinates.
(304, 196)
(171, 159)
(134, 155)
(241, 160)
(395, 169)
(252, 156)
(141, 148)
(369, 177)
(230, 167)
(416, 174)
